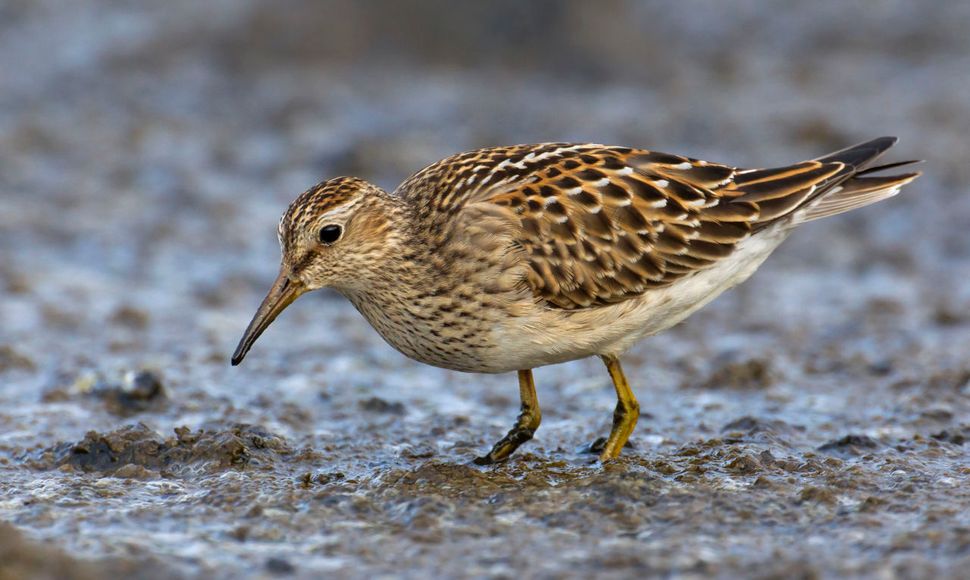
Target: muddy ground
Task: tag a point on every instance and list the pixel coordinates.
(812, 423)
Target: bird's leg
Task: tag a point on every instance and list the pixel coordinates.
(524, 428)
(626, 414)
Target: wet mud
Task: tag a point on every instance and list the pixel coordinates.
(812, 423)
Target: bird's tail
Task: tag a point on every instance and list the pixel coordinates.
(826, 186)
(855, 186)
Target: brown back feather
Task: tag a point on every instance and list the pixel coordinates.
(598, 225)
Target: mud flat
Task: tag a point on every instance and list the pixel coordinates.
(812, 423)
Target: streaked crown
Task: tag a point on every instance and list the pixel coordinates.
(335, 231)
(334, 196)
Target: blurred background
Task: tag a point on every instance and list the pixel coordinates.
(147, 150)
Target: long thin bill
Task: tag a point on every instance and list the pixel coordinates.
(281, 295)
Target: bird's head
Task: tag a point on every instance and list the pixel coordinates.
(338, 234)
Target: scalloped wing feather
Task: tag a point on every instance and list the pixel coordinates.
(605, 224)
(597, 225)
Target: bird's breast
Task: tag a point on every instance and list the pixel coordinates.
(447, 329)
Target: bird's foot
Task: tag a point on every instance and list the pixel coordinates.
(506, 446)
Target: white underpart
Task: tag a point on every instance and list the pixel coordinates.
(553, 336)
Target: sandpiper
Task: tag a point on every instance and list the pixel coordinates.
(510, 258)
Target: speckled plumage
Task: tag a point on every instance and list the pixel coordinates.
(509, 258)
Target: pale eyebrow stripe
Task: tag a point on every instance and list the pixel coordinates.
(339, 211)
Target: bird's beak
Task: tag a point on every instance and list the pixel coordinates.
(281, 295)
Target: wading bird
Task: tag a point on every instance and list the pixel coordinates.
(510, 258)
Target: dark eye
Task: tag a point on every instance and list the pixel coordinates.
(330, 234)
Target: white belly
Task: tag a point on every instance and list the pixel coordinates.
(553, 336)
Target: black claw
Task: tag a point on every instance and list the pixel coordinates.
(485, 460)
(597, 445)
(515, 438)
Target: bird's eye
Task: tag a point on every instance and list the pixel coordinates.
(330, 234)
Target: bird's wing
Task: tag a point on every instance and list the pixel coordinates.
(598, 225)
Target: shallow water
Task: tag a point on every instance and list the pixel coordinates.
(813, 422)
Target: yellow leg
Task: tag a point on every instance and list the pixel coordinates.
(524, 428)
(626, 414)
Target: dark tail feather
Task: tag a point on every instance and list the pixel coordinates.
(856, 190)
(858, 157)
(886, 166)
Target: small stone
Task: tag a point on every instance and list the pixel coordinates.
(811, 493)
(279, 566)
(734, 371)
(744, 464)
(956, 437)
(851, 444)
(746, 423)
(139, 391)
(130, 317)
(10, 360)
(379, 405)
(142, 385)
